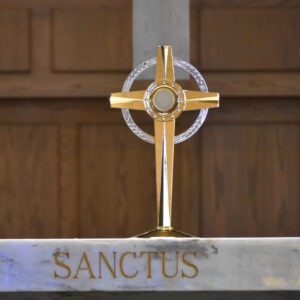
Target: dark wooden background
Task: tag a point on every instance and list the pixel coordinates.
(69, 166)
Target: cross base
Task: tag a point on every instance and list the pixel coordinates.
(157, 232)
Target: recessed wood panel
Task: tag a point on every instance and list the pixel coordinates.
(92, 39)
(117, 182)
(14, 40)
(249, 39)
(28, 181)
(187, 187)
(250, 180)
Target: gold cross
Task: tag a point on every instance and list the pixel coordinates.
(164, 100)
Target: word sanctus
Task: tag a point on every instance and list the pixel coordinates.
(129, 265)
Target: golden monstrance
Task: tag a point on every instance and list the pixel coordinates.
(164, 100)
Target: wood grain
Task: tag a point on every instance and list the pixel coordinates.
(68, 208)
(244, 39)
(101, 85)
(249, 4)
(92, 40)
(187, 212)
(28, 181)
(251, 180)
(14, 40)
(117, 183)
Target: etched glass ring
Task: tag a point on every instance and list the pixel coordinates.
(202, 112)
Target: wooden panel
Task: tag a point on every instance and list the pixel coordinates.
(255, 111)
(28, 180)
(239, 176)
(249, 39)
(75, 51)
(101, 85)
(14, 40)
(250, 179)
(117, 186)
(256, 84)
(92, 40)
(187, 187)
(68, 209)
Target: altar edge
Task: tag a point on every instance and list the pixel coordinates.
(139, 264)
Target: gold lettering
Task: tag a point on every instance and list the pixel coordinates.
(122, 267)
(163, 265)
(88, 268)
(188, 263)
(148, 253)
(62, 265)
(111, 270)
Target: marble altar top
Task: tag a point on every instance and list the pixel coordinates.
(154, 264)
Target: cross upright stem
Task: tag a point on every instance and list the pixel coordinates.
(164, 156)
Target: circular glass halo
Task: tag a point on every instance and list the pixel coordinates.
(175, 109)
(202, 112)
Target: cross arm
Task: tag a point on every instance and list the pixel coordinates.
(196, 100)
(131, 100)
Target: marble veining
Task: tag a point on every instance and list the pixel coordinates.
(155, 264)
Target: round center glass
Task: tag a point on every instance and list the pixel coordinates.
(163, 100)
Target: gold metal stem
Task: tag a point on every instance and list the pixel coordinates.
(164, 154)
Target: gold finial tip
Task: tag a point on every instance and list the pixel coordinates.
(164, 46)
